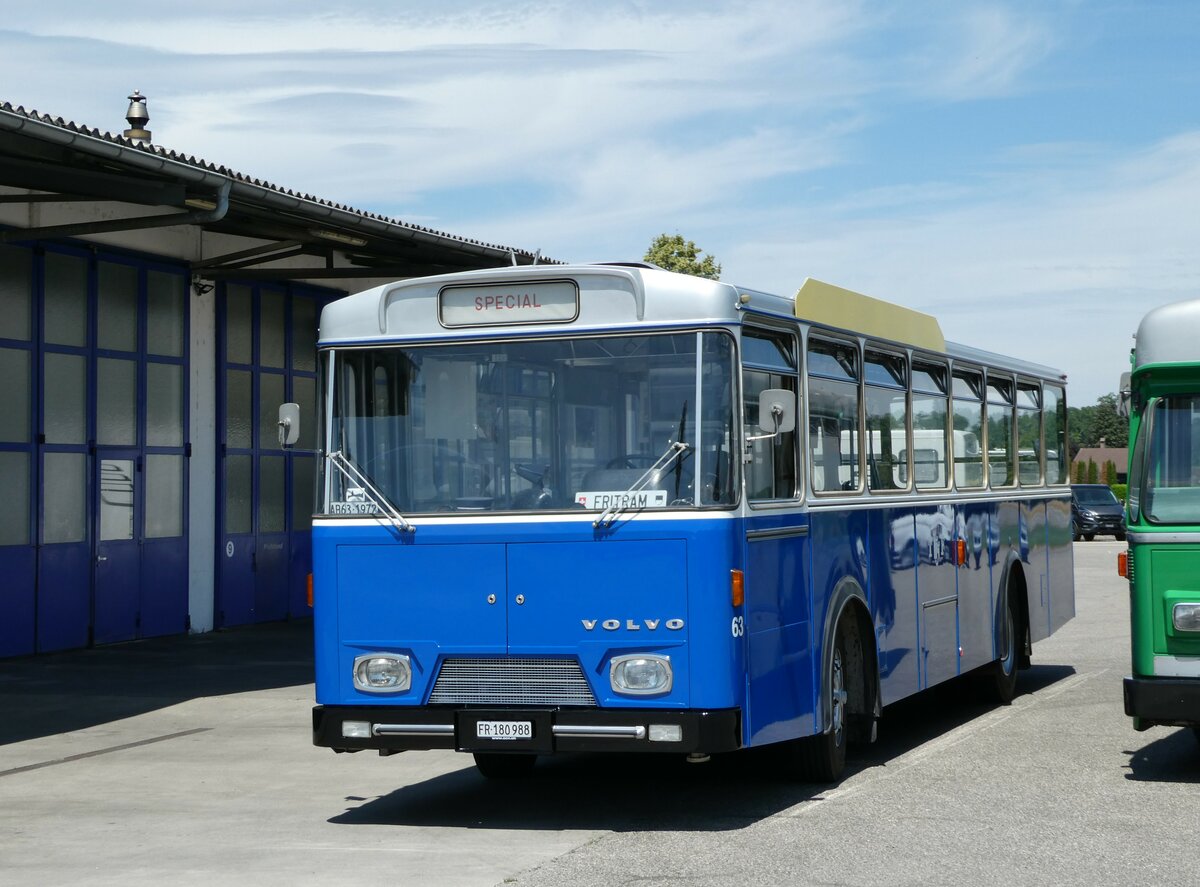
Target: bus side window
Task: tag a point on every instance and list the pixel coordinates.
(886, 403)
(930, 438)
(834, 408)
(968, 428)
(769, 361)
(1000, 426)
(1054, 420)
(1029, 434)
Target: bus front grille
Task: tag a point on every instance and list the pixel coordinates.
(511, 682)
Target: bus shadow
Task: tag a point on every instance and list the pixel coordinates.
(1171, 758)
(651, 792)
(62, 692)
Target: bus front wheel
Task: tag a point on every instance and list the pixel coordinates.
(822, 758)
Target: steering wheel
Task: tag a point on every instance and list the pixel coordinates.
(630, 460)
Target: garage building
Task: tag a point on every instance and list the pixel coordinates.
(155, 309)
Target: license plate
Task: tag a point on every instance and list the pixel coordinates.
(504, 729)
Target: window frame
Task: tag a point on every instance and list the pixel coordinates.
(941, 365)
(883, 351)
(758, 329)
(855, 345)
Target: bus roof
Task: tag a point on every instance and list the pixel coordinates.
(614, 296)
(608, 296)
(1167, 335)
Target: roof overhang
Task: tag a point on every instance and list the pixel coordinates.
(45, 160)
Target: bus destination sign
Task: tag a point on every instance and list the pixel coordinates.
(551, 301)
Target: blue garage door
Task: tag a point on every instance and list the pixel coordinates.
(92, 449)
(267, 356)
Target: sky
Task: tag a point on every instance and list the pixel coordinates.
(1027, 171)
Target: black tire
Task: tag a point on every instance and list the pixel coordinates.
(497, 765)
(1075, 534)
(822, 758)
(1000, 678)
(1121, 537)
(1089, 536)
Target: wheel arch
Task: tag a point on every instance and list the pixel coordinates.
(849, 599)
(1012, 582)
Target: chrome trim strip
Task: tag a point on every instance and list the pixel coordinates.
(462, 519)
(1164, 537)
(777, 533)
(412, 729)
(940, 497)
(634, 732)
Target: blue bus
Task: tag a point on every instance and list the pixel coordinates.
(608, 507)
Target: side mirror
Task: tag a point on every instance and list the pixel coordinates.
(1124, 396)
(289, 424)
(776, 410)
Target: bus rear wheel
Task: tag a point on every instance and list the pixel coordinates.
(1000, 678)
(497, 765)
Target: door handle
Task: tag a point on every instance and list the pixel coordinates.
(101, 558)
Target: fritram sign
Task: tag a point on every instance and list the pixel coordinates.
(552, 301)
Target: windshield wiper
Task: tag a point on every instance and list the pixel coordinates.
(357, 476)
(653, 473)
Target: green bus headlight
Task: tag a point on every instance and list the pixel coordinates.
(1186, 617)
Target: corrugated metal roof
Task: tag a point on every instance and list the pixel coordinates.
(117, 145)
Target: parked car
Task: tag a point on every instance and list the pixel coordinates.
(1095, 511)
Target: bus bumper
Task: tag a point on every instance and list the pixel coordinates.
(394, 729)
(1163, 702)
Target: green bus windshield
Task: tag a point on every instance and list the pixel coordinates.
(1167, 461)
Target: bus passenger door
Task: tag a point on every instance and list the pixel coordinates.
(778, 627)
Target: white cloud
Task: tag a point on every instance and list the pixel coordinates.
(1059, 277)
(758, 129)
(983, 50)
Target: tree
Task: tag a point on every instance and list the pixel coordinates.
(672, 252)
(1107, 425)
(1110, 472)
(1093, 472)
(1090, 425)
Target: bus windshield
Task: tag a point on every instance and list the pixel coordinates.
(1170, 449)
(530, 425)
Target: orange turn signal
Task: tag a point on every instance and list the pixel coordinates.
(737, 587)
(310, 590)
(1123, 565)
(962, 551)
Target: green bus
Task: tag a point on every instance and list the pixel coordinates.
(1161, 396)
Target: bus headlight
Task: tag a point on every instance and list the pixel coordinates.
(1186, 617)
(641, 674)
(382, 673)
